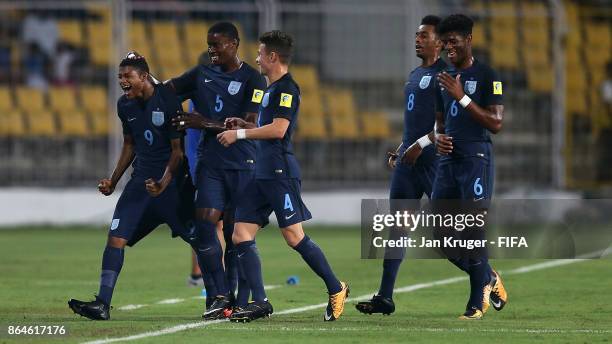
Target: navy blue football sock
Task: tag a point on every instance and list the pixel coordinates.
(462, 264)
(479, 277)
(231, 266)
(314, 257)
(210, 255)
(248, 258)
(112, 261)
(389, 275)
(244, 291)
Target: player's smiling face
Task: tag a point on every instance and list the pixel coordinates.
(131, 81)
(456, 46)
(221, 49)
(425, 41)
(264, 60)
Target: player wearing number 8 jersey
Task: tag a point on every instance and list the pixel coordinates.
(469, 108)
(414, 163)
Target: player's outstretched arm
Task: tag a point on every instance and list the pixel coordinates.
(274, 130)
(490, 117)
(194, 120)
(107, 185)
(239, 123)
(155, 188)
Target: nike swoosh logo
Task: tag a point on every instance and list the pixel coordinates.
(131, 119)
(478, 199)
(290, 216)
(240, 255)
(496, 304)
(204, 250)
(207, 80)
(327, 317)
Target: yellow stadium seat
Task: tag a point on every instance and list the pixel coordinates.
(344, 127)
(575, 102)
(12, 124)
(94, 98)
(375, 125)
(598, 34)
(165, 36)
(41, 123)
(172, 71)
(311, 104)
(339, 102)
(306, 76)
(73, 123)
(540, 78)
(70, 31)
(185, 105)
(6, 99)
(575, 79)
(62, 99)
(137, 39)
(30, 99)
(195, 39)
(504, 56)
(536, 56)
(478, 35)
(99, 41)
(99, 123)
(311, 128)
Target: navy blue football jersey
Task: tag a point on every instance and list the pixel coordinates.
(148, 123)
(219, 95)
(419, 113)
(275, 158)
(484, 87)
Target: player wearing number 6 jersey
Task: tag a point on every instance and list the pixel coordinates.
(159, 190)
(469, 108)
(414, 162)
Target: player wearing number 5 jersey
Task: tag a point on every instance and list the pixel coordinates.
(227, 87)
(469, 107)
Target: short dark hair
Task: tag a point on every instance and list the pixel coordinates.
(431, 20)
(135, 60)
(456, 23)
(279, 42)
(226, 29)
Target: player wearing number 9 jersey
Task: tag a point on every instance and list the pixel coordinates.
(469, 108)
(159, 190)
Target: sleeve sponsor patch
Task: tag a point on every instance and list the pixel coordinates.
(286, 99)
(257, 96)
(497, 87)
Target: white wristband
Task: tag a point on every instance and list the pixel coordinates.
(424, 141)
(241, 134)
(465, 101)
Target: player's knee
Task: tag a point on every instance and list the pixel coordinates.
(208, 214)
(116, 242)
(293, 236)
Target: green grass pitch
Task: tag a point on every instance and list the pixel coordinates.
(41, 268)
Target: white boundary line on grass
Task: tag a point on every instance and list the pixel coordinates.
(406, 289)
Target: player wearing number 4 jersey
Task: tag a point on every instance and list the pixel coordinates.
(469, 108)
(276, 187)
(159, 191)
(414, 163)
